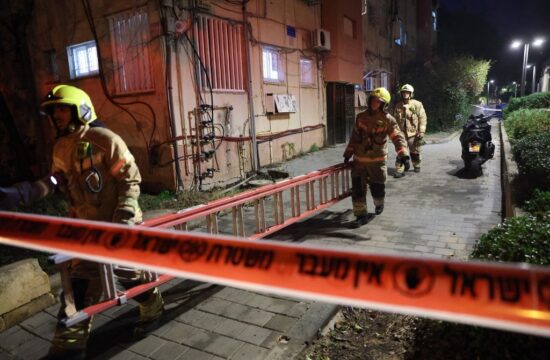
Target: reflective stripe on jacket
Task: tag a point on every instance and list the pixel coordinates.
(369, 138)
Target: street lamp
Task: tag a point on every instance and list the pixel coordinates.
(515, 89)
(516, 44)
(488, 86)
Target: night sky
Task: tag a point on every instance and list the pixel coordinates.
(486, 28)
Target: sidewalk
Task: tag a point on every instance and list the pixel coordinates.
(432, 213)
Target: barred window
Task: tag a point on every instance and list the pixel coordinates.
(219, 44)
(130, 45)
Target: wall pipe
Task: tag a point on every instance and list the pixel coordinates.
(255, 158)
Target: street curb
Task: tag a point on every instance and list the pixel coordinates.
(509, 176)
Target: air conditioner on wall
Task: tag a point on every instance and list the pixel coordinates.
(321, 40)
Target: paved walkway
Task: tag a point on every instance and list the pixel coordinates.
(433, 213)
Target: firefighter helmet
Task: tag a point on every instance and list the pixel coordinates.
(72, 96)
(382, 94)
(407, 87)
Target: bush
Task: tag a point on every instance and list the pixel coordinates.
(447, 89)
(533, 101)
(532, 154)
(518, 239)
(525, 122)
(539, 205)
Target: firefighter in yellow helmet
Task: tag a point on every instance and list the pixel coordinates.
(369, 146)
(101, 179)
(411, 117)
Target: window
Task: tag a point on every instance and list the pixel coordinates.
(384, 80)
(83, 59)
(220, 47)
(130, 45)
(349, 27)
(369, 82)
(398, 32)
(434, 20)
(273, 65)
(307, 72)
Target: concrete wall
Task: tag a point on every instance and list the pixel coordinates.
(148, 134)
(344, 62)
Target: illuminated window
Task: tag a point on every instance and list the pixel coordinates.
(220, 47)
(307, 72)
(130, 45)
(369, 83)
(384, 80)
(83, 59)
(273, 65)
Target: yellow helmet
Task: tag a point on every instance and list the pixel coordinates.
(407, 87)
(382, 94)
(72, 96)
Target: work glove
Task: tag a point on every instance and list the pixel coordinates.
(405, 160)
(124, 216)
(9, 198)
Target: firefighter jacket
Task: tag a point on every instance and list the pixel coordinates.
(369, 138)
(411, 117)
(102, 178)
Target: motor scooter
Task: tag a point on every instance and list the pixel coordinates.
(477, 146)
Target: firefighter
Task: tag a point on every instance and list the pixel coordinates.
(411, 117)
(368, 145)
(94, 167)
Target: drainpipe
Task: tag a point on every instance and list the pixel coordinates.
(169, 94)
(255, 159)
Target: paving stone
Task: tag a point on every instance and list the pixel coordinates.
(34, 348)
(180, 333)
(194, 354)
(214, 305)
(281, 306)
(280, 323)
(147, 346)
(256, 316)
(171, 351)
(249, 352)
(254, 335)
(230, 327)
(235, 295)
(223, 346)
(14, 337)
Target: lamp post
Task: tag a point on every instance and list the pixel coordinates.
(516, 44)
(488, 87)
(533, 87)
(515, 89)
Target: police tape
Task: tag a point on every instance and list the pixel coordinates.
(511, 297)
(487, 109)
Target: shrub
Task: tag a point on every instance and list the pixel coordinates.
(539, 205)
(525, 122)
(533, 101)
(532, 154)
(518, 239)
(447, 89)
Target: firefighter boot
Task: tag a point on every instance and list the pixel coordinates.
(416, 162)
(150, 313)
(379, 209)
(360, 221)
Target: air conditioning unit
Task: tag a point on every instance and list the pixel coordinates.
(321, 40)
